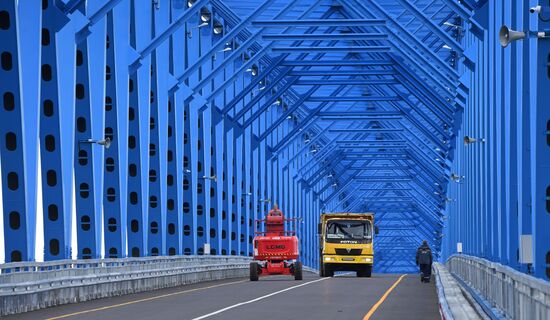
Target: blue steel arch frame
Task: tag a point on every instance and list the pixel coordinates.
(218, 109)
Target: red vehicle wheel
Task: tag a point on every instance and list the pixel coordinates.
(298, 270)
(254, 271)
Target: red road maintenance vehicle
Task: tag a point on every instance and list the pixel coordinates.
(275, 250)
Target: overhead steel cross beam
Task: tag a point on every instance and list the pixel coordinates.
(304, 122)
(329, 63)
(366, 72)
(404, 39)
(349, 49)
(157, 41)
(353, 99)
(368, 130)
(94, 18)
(276, 82)
(319, 23)
(413, 120)
(318, 109)
(221, 43)
(328, 37)
(345, 82)
(445, 37)
(344, 187)
(330, 145)
(273, 98)
(327, 151)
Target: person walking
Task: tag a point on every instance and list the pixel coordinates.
(424, 261)
(275, 211)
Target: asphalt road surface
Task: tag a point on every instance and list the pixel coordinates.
(383, 296)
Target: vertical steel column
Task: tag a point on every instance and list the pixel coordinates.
(216, 190)
(206, 135)
(178, 58)
(540, 155)
(88, 233)
(526, 83)
(173, 243)
(230, 203)
(174, 144)
(237, 215)
(54, 192)
(225, 146)
(155, 236)
(510, 66)
(19, 228)
(256, 189)
(136, 204)
(217, 150)
(189, 219)
(111, 206)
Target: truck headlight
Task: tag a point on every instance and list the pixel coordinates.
(367, 259)
(329, 259)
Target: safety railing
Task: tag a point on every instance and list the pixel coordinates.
(516, 295)
(26, 286)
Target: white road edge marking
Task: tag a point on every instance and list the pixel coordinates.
(257, 299)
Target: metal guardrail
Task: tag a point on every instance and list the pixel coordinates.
(26, 286)
(516, 295)
(453, 303)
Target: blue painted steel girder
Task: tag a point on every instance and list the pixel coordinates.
(257, 150)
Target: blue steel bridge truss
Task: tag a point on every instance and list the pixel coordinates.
(157, 127)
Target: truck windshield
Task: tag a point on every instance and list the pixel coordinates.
(359, 230)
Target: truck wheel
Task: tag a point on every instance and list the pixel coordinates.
(368, 271)
(328, 271)
(254, 271)
(298, 270)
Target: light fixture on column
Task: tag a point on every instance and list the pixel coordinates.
(202, 25)
(227, 47)
(218, 28)
(103, 142)
(213, 178)
(469, 140)
(449, 24)
(205, 15)
(253, 70)
(456, 178)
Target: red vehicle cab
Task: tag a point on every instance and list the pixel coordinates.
(275, 249)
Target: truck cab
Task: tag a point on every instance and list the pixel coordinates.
(346, 243)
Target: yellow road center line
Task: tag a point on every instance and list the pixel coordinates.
(143, 300)
(383, 298)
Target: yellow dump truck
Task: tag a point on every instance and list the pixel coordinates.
(346, 243)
